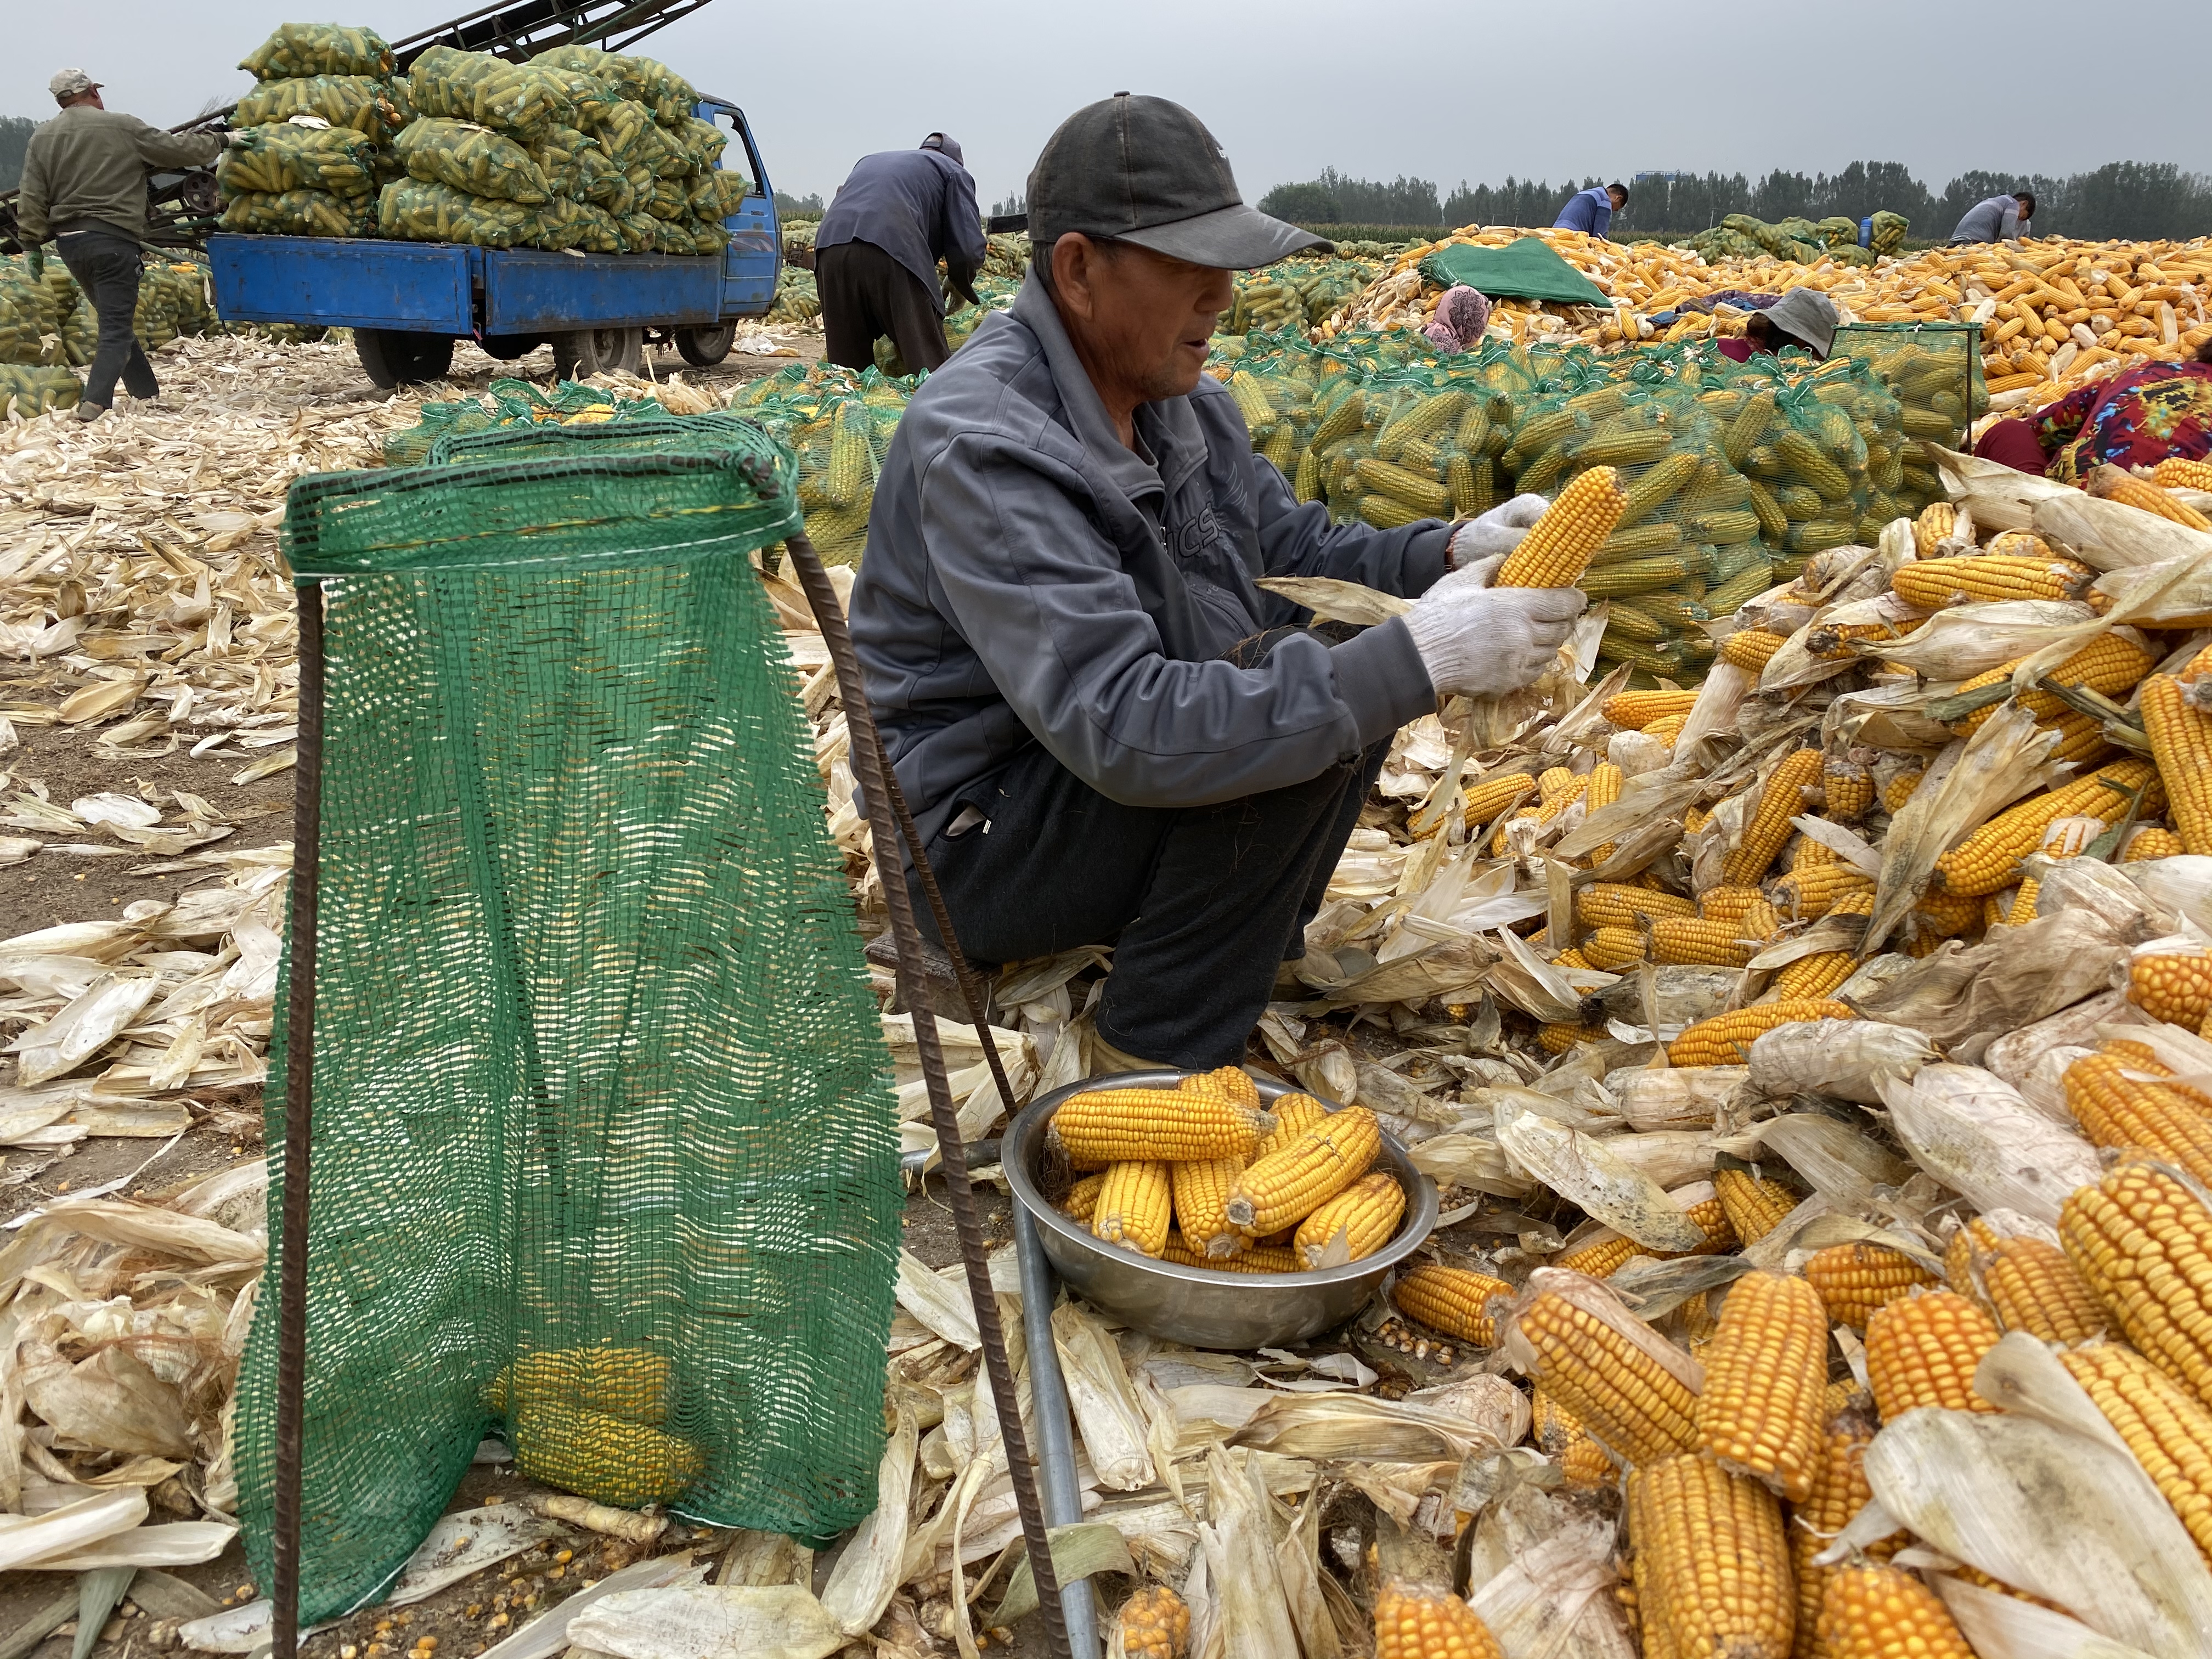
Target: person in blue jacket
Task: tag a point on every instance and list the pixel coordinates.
(875, 254)
(1592, 210)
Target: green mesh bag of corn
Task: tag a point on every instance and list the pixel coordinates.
(364, 102)
(639, 232)
(299, 49)
(1887, 235)
(839, 425)
(28, 390)
(301, 213)
(519, 99)
(606, 1155)
(718, 194)
(270, 159)
(439, 151)
(646, 81)
(1933, 370)
(412, 210)
(700, 142)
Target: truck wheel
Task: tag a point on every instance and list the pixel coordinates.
(702, 348)
(392, 358)
(592, 351)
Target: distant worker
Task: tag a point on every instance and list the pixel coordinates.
(1804, 318)
(875, 254)
(1592, 210)
(1999, 219)
(84, 188)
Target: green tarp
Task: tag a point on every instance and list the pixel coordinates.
(1526, 269)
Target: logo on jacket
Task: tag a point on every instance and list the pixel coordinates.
(1194, 535)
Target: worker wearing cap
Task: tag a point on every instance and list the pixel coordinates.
(1998, 219)
(1804, 318)
(1108, 734)
(876, 254)
(1591, 210)
(84, 187)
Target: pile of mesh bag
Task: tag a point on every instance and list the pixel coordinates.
(1294, 293)
(1799, 241)
(47, 328)
(797, 299)
(839, 424)
(510, 402)
(578, 149)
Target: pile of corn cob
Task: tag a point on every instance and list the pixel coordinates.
(839, 424)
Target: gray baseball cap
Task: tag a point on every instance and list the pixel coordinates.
(67, 83)
(1144, 170)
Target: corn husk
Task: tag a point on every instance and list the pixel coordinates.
(1843, 1058)
(860, 1586)
(1600, 1302)
(1972, 1132)
(1965, 998)
(1966, 640)
(1114, 1428)
(1678, 1097)
(2001, 1626)
(1334, 600)
(943, 1307)
(1585, 1171)
(709, 1621)
(2013, 1056)
(2182, 884)
(1297, 1563)
(1239, 1547)
(1543, 1575)
(1339, 1426)
(1840, 1163)
(2112, 535)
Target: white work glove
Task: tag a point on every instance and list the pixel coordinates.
(1495, 534)
(1477, 640)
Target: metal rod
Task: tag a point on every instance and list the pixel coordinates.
(299, 1131)
(874, 776)
(1063, 1494)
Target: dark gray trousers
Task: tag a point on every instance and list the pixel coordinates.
(106, 268)
(865, 295)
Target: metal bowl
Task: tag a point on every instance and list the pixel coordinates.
(1196, 1305)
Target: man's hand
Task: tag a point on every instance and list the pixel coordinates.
(1477, 640)
(1495, 534)
(35, 257)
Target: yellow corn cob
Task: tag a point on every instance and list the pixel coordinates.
(1556, 1038)
(1937, 519)
(2143, 1240)
(1082, 1199)
(1855, 1279)
(851, 458)
(1154, 1623)
(1616, 904)
(1553, 783)
(1388, 512)
(627, 1465)
(1975, 1238)
(1717, 1577)
(2032, 1287)
(1487, 799)
(1932, 584)
(2175, 473)
(1423, 494)
(1558, 550)
(1452, 1301)
(1632, 711)
(1605, 782)
(1667, 728)
(1251, 401)
(1231, 1083)
(1900, 789)
(1724, 1039)
(1922, 1351)
(1766, 1380)
(1101, 1126)
(1661, 483)
(1600, 1259)
(626, 1382)
(2181, 743)
(2175, 987)
(1609, 950)
(2146, 1115)
(1584, 1463)
(1134, 1206)
(1622, 1395)
(1288, 1185)
(1801, 455)
(1294, 1115)
(1803, 853)
(1644, 541)
(2151, 840)
(1874, 1611)
(1987, 861)
(1694, 940)
(1571, 959)
(1255, 1259)
(1945, 915)
(1420, 1623)
(1804, 894)
(2168, 1429)
(1749, 648)
(2025, 544)
(1764, 834)
(1201, 1186)
(1552, 1426)
(2111, 664)
(1849, 787)
(1731, 903)
(2115, 485)
(1754, 1207)
(1839, 1491)
(1365, 1215)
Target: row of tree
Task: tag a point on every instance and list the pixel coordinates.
(15, 133)
(2137, 200)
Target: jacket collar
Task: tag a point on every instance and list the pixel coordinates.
(1168, 428)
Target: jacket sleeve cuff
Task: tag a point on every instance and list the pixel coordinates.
(1428, 558)
(1379, 678)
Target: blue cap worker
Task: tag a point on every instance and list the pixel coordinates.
(876, 253)
(1592, 210)
(1109, 733)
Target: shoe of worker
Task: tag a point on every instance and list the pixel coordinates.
(88, 412)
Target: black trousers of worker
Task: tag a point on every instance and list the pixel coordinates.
(865, 294)
(1202, 904)
(106, 268)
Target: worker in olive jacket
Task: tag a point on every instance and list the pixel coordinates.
(84, 188)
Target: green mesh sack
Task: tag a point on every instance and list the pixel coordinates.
(411, 446)
(271, 159)
(27, 390)
(439, 151)
(626, 131)
(28, 322)
(717, 194)
(306, 48)
(796, 299)
(1933, 370)
(1887, 232)
(302, 213)
(414, 211)
(519, 99)
(605, 1148)
(840, 426)
(669, 199)
(639, 232)
(701, 143)
(645, 81)
(1839, 232)
(592, 97)
(364, 102)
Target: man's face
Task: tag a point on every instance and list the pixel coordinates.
(1618, 200)
(1142, 321)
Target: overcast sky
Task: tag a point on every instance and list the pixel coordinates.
(1439, 91)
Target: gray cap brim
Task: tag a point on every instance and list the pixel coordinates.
(1239, 238)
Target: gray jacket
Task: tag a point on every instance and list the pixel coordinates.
(1029, 579)
(918, 205)
(1995, 220)
(86, 170)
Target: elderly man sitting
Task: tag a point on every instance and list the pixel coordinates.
(1108, 732)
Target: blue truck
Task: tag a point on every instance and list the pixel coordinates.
(407, 302)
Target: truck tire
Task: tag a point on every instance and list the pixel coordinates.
(592, 351)
(702, 348)
(392, 358)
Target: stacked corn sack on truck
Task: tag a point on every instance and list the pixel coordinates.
(449, 201)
